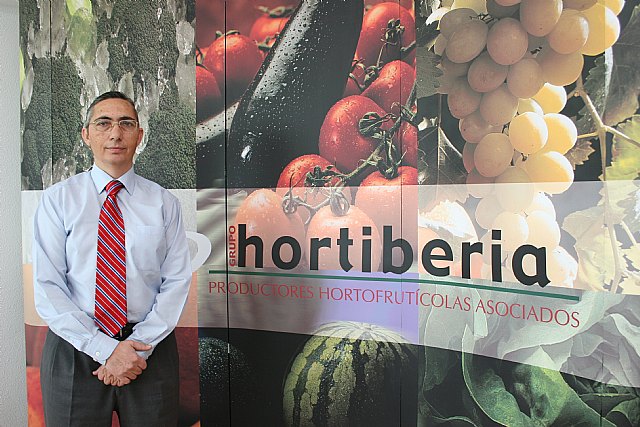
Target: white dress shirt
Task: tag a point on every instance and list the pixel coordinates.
(64, 260)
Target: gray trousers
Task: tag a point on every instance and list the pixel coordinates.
(72, 396)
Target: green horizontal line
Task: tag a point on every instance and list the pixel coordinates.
(409, 280)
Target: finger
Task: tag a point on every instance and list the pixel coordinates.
(140, 346)
(136, 370)
(143, 364)
(130, 375)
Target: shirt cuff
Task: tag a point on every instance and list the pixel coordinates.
(100, 347)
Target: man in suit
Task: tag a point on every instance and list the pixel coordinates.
(111, 276)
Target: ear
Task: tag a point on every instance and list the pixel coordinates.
(140, 135)
(85, 136)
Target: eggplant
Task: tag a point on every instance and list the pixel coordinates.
(211, 136)
(280, 114)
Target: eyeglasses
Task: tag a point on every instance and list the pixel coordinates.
(105, 125)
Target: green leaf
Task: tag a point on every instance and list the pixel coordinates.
(551, 400)
(593, 246)
(597, 85)
(427, 73)
(625, 156)
(580, 153)
(622, 101)
(444, 159)
(450, 422)
(438, 363)
(489, 392)
(605, 402)
(443, 166)
(626, 414)
(630, 205)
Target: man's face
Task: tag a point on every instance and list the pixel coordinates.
(113, 149)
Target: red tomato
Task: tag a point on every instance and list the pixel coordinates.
(374, 26)
(268, 25)
(340, 139)
(392, 202)
(407, 142)
(294, 175)
(357, 71)
(237, 14)
(326, 224)
(393, 86)
(235, 57)
(262, 213)
(209, 100)
(407, 4)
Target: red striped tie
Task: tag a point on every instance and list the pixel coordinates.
(111, 268)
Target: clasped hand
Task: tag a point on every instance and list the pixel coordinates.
(124, 365)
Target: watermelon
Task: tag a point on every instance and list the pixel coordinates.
(352, 374)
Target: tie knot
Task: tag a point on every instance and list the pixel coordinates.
(113, 187)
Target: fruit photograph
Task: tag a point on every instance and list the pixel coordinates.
(482, 155)
(529, 110)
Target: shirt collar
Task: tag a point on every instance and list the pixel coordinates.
(101, 179)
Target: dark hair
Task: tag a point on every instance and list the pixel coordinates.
(114, 94)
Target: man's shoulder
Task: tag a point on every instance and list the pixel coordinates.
(150, 187)
(70, 184)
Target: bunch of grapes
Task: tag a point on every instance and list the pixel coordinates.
(506, 64)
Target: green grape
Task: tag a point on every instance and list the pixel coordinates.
(544, 231)
(579, 4)
(525, 78)
(562, 269)
(493, 154)
(616, 6)
(498, 107)
(498, 11)
(453, 19)
(507, 41)
(604, 29)
(551, 98)
(479, 6)
(507, 3)
(539, 17)
(468, 41)
(528, 133)
(485, 74)
(473, 127)
(462, 100)
(550, 171)
(541, 202)
(558, 69)
(453, 69)
(467, 156)
(514, 228)
(486, 211)
(440, 45)
(479, 186)
(570, 33)
(529, 105)
(513, 189)
(563, 133)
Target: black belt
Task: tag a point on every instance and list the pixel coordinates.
(125, 332)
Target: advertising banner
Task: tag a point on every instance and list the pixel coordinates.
(399, 213)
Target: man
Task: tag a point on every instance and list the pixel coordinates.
(111, 276)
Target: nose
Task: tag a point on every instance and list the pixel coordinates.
(116, 131)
